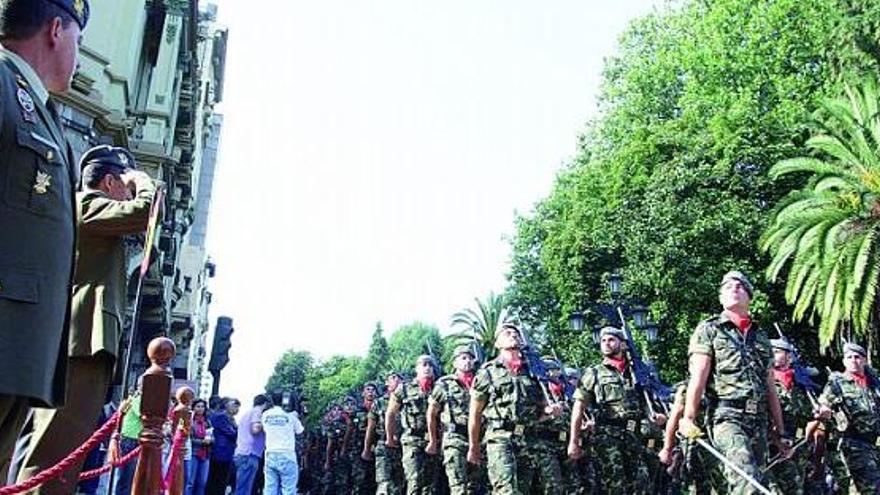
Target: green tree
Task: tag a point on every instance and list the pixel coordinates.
(290, 371)
(411, 340)
(330, 381)
(827, 231)
(377, 355)
(479, 324)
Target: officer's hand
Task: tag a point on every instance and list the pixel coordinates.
(824, 412)
(688, 429)
(665, 456)
(473, 455)
(366, 455)
(659, 419)
(391, 443)
(574, 450)
(554, 410)
(431, 449)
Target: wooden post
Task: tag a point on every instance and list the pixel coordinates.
(181, 420)
(155, 398)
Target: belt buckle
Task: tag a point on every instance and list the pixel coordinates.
(562, 436)
(519, 429)
(752, 406)
(799, 433)
(877, 442)
(651, 443)
(631, 425)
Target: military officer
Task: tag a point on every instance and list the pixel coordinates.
(510, 399)
(389, 468)
(38, 177)
(449, 404)
(115, 202)
(853, 398)
(362, 471)
(411, 401)
(609, 389)
(730, 361)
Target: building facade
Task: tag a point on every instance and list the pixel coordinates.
(150, 76)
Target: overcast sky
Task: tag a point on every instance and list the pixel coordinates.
(374, 154)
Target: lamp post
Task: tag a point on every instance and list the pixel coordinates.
(609, 315)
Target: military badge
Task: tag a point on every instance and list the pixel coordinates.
(79, 6)
(27, 105)
(123, 159)
(42, 183)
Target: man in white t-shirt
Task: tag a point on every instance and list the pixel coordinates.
(281, 468)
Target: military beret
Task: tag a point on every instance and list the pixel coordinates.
(781, 344)
(741, 278)
(614, 331)
(551, 363)
(849, 347)
(424, 358)
(108, 155)
(505, 326)
(78, 9)
(462, 349)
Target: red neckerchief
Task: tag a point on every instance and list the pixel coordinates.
(786, 377)
(555, 388)
(515, 365)
(741, 322)
(368, 405)
(618, 363)
(426, 384)
(466, 379)
(861, 379)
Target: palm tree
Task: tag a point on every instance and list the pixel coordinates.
(828, 229)
(480, 324)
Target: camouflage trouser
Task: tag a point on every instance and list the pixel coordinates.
(336, 479)
(419, 468)
(389, 470)
(546, 455)
(620, 462)
(704, 471)
(862, 461)
(788, 476)
(509, 464)
(742, 439)
(362, 475)
(464, 478)
(579, 477)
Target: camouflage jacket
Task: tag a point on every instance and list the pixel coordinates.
(359, 430)
(797, 410)
(334, 432)
(513, 403)
(615, 398)
(377, 414)
(413, 411)
(740, 362)
(861, 406)
(454, 401)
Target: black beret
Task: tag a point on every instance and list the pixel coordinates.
(78, 9)
(108, 155)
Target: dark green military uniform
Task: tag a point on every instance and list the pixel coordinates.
(857, 411)
(362, 472)
(389, 466)
(514, 404)
(454, 399)
(617, 441)
(736, 391)
(419, 468)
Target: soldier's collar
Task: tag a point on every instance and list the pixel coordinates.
(27, 72)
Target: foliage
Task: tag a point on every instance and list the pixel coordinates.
(290, 371)
(329, 382)
(376, 360)
(670, 183)
(479, 324)
(826, 232)
(409, 342)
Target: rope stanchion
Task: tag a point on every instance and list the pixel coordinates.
(176, 449)
(94, 473)
(72, 459)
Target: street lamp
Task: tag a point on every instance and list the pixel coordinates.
(597, 333)
(576, 321)
(651, 329)
(640, 314)
(615, 280)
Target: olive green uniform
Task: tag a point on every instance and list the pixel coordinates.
(362, 472)
(336, 478)
(704, 471)
(419, 468)
(453, 398)
(389, 468)
(788, 476)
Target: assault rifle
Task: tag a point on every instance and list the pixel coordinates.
(537, 369)
(801, 375)
(654, 390)
(567, 387)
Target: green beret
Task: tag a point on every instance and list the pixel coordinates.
(850, 347)
(425, 358)
(614, 331)
(781, 344)
(741, 278)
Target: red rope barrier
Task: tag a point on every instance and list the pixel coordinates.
(94, 473)
(73, 458)
(176, 449)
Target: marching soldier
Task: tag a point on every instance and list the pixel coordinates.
(853, 398)
(730, 361)
(335, 433)
(797, 413)
(449, 403)
(510, 399)
(411, 401)
(610, 389)
(38, 176)
(362, 470)
(550, 436)
(389, 467)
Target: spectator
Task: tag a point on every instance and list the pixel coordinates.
(201, 437)
(131, 429)
(250, 445)
(225, 434)
(282, 468)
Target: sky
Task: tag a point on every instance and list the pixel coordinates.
(374, 155)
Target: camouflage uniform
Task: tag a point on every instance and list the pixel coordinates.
(419, 467)
(513, 403)
(362, 472)
(454, 400)
(550, 439)
(737, 394)
(335, 479)
(617, 440)
(788, 476)
(704, 471)
(389, 469)
(860, 429)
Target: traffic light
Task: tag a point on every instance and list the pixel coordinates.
(220, 350)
